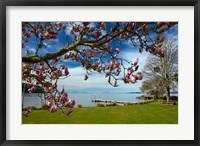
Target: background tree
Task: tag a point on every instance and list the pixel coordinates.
(163, 71)
(153, 86)
(91, 44)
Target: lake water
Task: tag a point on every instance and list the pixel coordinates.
(84, 98)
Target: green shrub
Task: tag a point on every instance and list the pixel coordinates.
(100, 105)
(45, 107)
(79, 106)
(33, 108)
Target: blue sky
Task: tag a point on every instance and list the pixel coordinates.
(97, 82)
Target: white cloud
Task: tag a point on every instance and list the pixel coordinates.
(42, 50)
(32, 50)
(104, 32)
(92, 24)
(68, 29)
(96, 81)
(55, 40)
(47, 45)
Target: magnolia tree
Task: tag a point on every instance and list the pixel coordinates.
(92, 45)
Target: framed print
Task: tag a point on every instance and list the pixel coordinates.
(99, 72)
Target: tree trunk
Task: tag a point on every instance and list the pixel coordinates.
(168, 93)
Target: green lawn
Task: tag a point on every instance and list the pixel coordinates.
(153, 113)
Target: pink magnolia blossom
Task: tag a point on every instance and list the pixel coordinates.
(71, 102)
(53, 109)
(116, 65)
(102, 24)
(76, 28)
(70, 110)
(49, 103)
(57, 98)
(30, 90)
(130, 71)
(139, 76)
(63, 98)
(134, 79)
(26, 113)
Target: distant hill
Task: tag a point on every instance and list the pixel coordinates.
(38, 89)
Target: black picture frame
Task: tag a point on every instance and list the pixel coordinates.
(5, 3)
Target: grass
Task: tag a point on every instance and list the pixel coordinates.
(153, 113)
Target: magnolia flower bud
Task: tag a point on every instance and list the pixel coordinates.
(26, 40)
(62, 91)
(41, 63)
(59, 28)
(58, 59)
(66, 72)
(136, 61)
(34, 66)
(27, 52)
(111, 63)
(106, 45)
(98, 62)
(117, 50)
(85, 77)
(42, 67)
(66, 56)
(115, 83)
(24, 65)
(109, 78)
